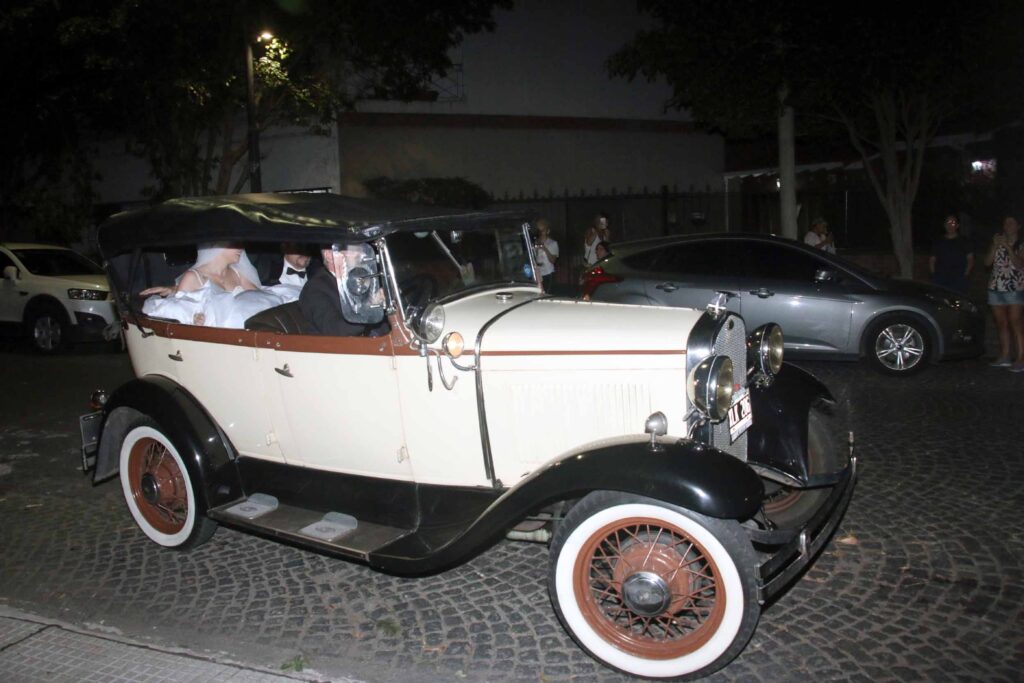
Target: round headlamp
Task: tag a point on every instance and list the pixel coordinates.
(432, 323)
(765, 347)
(710, 387)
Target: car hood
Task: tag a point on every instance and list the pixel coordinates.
(919, 289)
(84, 281)
(565, 326)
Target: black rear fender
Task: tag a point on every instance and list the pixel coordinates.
(203, 447)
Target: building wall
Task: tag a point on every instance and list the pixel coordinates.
(507, 162)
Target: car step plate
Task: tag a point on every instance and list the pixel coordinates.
(256, 505)
(332, 526)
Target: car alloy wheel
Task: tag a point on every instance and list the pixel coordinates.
(898, 344)
(651, 590)
(899, 347)
(47, 332)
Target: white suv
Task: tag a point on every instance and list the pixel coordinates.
(54, 295)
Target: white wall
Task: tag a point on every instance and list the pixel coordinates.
(509, 161)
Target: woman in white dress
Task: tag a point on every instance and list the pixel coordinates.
(222, 289)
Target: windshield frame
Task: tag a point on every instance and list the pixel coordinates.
(392, 277)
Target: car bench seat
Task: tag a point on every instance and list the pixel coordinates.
(286, 318)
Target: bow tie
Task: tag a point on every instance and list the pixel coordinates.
(292, 271)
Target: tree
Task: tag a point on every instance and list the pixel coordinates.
(45, 177)
(893, 80)
(179, 72)
(887, 80)
(167, 77)
(732, 64)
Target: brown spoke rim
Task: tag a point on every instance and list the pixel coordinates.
(641, 544)
(168, 512)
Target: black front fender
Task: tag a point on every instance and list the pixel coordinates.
(778, 437)
(202, 445)
(684, 473)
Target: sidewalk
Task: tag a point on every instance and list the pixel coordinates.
(35, 649)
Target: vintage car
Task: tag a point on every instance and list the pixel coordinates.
(682, 473)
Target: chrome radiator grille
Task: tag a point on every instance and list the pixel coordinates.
(732, 341)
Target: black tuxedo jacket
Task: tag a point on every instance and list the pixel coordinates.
(321, 307)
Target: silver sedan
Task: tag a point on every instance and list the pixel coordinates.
(828, 307)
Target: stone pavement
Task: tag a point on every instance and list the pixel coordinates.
(923, 581)
(35, 649)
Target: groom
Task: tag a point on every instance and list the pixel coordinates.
(287, 268)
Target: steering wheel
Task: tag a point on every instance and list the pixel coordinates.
(417, 291)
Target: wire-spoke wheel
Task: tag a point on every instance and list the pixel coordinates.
(653, 590)
(158, 489)
(898, 346)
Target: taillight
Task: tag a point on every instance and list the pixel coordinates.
(594, 278)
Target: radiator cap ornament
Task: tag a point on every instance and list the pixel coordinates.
(717, 306)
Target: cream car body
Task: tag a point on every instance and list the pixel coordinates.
(653, 447)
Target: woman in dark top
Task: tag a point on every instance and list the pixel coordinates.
(951, 261)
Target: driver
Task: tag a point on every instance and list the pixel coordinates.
(320, 300)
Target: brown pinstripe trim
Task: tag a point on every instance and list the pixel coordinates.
(366, 346)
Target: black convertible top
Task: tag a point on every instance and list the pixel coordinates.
(299, 217)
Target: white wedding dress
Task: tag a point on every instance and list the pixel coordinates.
(219, 308)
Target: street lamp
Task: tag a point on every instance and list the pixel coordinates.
(255, 175)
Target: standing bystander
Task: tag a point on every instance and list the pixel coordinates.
(819, 237)
(546, 253)
(951, 260)
(1006, 292)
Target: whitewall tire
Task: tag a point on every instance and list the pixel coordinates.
(653, 590)
(158, 490)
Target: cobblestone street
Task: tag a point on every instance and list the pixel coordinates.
(924, 579)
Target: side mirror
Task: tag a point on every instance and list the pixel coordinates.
(824, 275)
(11, 273)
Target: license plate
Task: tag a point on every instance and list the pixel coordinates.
(740, 416)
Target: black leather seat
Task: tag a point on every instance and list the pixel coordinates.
(286, 318)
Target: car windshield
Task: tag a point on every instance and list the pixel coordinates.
(438, 264)
(56, 262)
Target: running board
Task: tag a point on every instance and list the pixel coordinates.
(334, 532)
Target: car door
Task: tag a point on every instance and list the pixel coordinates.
(689, 274)
(778, 285)
(335, 403)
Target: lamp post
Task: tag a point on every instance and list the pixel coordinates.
(255, 175)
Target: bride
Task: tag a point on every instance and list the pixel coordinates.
(222, 289)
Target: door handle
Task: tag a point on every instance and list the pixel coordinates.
(285, 371)
(666, 287)
(762, 293)
(175, 356)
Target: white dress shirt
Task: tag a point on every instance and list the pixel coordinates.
(294, 280)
